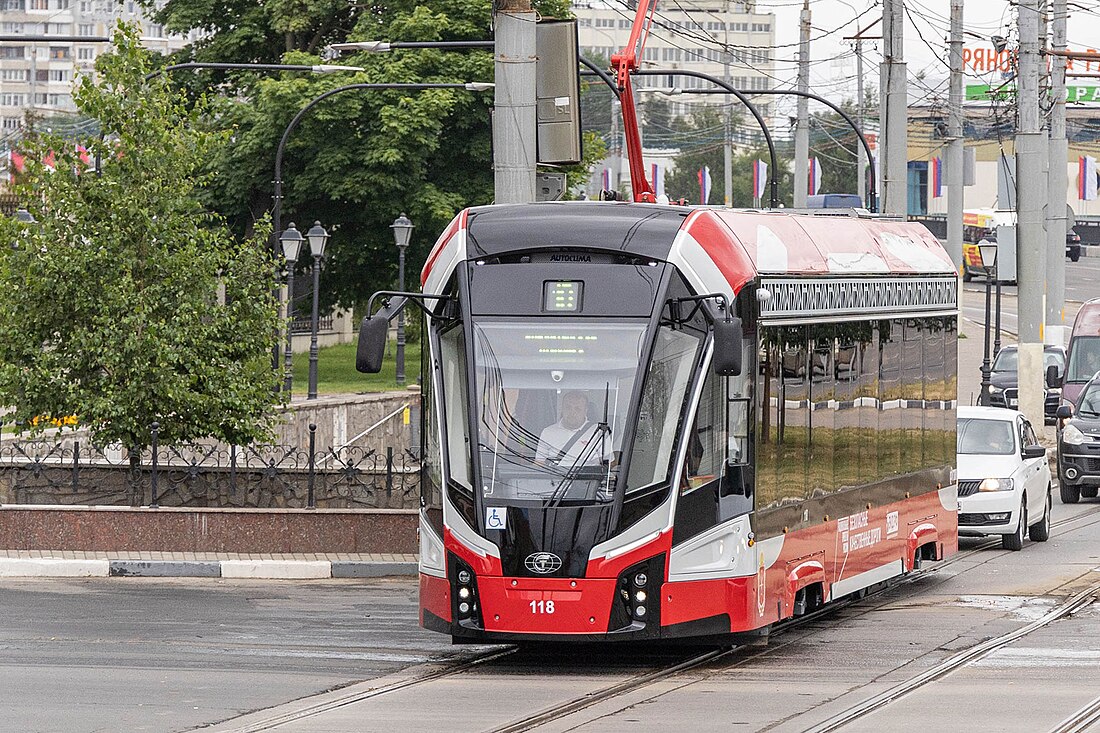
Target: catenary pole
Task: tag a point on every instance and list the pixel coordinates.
(727, 121)
(892, 84)
(1057, 181)
(1031, 190)
(514, 103)
(955, 137)
(861, 157)
(802, 125)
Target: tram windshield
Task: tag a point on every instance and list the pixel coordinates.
(552, 400)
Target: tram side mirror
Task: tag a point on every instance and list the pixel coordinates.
(1052, 376)
(727, 347)
(372, 344)
(1064, 412)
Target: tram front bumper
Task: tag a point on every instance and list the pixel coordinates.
(546, 605)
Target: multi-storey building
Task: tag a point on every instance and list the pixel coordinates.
(36, 74)
(724, 38)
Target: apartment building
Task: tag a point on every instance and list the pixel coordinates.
(718, 37)
(37, 74)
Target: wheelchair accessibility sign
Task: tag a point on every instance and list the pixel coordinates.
(496, 517)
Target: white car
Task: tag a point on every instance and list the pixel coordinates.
(1004, 477)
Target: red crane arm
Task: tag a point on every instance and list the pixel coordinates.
(622, 63)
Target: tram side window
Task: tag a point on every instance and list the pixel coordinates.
(704, 463)
(821, 412)
(891, 398)
(783, 433)
(670, 371)
(431, 469)
(951, 387)
(912, 404)
(453, 357)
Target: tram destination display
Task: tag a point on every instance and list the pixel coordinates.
(562, 295)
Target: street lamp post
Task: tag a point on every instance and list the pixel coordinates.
(317, 237)
(402, 232)
(988, 255)
(291, 240)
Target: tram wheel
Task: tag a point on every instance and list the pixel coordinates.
(1040, 531)
(1015, 541)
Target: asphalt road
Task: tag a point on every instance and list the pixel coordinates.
(164, 655)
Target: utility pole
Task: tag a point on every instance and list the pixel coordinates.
(955, 137)
(802, 127)
(1031, 190)
(861, 157)
(727, 126)
(1056, 184)
(514, 154)
(861, 111)
(892, 85)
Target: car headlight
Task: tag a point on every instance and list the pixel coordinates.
(995, 390)
(995, 484)
(1071, 435)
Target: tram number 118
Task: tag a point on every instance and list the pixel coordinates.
(538, 607)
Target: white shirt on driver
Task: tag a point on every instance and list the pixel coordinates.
(554, 438)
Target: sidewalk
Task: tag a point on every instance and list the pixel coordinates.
(70, 564)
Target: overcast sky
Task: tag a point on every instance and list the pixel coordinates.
(926, 29)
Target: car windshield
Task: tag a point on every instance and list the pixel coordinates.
(1008, 360)
(1088, 403)
(976, 436)
(552, 402)
(1084, 360)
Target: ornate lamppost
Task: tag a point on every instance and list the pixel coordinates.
(291, 240)
(402, 232)
(318, 238)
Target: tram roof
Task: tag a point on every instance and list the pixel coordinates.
(774, 242)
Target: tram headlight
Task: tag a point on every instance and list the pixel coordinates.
(463, 592)
(464, 576)
(639, 597)
(640, 580)
(639, 611)
(464, 608)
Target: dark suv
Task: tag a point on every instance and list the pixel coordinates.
(1079, 445)
(1004, 383)
(1073, 245)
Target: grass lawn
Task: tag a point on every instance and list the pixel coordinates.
(336, 370)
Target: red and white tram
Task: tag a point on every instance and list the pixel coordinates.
(653, 422)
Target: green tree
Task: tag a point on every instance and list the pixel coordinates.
(359, 158)
(128, 302)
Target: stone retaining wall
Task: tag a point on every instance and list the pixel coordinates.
(254, 531)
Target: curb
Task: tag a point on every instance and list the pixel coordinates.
(48, 567)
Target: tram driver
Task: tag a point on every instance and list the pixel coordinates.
(573, 440)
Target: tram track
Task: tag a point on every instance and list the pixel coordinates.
(1081, 720)
(961, 659)
(278, 720)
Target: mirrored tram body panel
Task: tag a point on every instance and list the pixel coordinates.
(587, 474)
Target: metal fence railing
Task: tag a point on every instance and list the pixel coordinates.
(72, 471)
